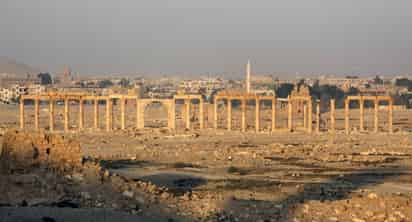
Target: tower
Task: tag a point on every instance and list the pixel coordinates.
(248, 77)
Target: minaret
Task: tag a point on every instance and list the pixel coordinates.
(248, 77)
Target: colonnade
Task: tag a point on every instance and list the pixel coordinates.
(170, 104)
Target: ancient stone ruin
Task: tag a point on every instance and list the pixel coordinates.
(299, 101)
(23, 151)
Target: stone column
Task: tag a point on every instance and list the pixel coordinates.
(347, 116)
(305, 116)
(229, 114)
(361, 112)
(137, 113)
(51, 114)
(201, 115)
(81, 115)
(257, 116)
(172, 115)
(376, 116)
(66, 114)
(108, 114)
(123, 113)
(290, 113)
(215, 114)
(187, 112)
(390, 116)
(317, 116)
(96, 113)
(140, 114)
(310, 111)
(273, 114)
(243, 115)
(36, 113)
(21, 113)
(332, 116)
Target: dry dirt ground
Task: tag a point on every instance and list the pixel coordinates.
(208, 175)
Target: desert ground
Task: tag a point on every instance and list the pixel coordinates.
(218, 175)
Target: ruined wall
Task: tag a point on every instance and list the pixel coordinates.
(23, 151)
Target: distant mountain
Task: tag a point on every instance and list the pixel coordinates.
(11, 66)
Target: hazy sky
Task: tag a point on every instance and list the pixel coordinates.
(193, 36)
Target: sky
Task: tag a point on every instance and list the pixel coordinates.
(214, 36)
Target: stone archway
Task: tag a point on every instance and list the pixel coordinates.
(167, 103)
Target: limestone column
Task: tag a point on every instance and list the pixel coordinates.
(310, 111)
(96, 113)
(290, 113)
(21, 113)
(81, 115)
(201, 115)
(317, 116)
(229, 114)
(51, 114)
(305, 116)
(123, 113)
(137, 113)
(390, 116)
(376, 116)
(215, 114)
(257, 116)
(347, 116)
(140, 114)
(66, 114)
(36, 113)
(187, 113)
(361, 112)
(332, 116)
(243, 115)
(273, 114)
(172, 115)
(108, 115)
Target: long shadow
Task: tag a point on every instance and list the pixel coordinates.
(335, 188)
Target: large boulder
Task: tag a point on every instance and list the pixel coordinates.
(24, 151)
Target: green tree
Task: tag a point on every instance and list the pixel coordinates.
(284, 90)
(105, 83)
(124, 82)
(45, 78)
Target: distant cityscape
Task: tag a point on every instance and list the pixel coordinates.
(12, 86)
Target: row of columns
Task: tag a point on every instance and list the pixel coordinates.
(361, 115)
(307, 114)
